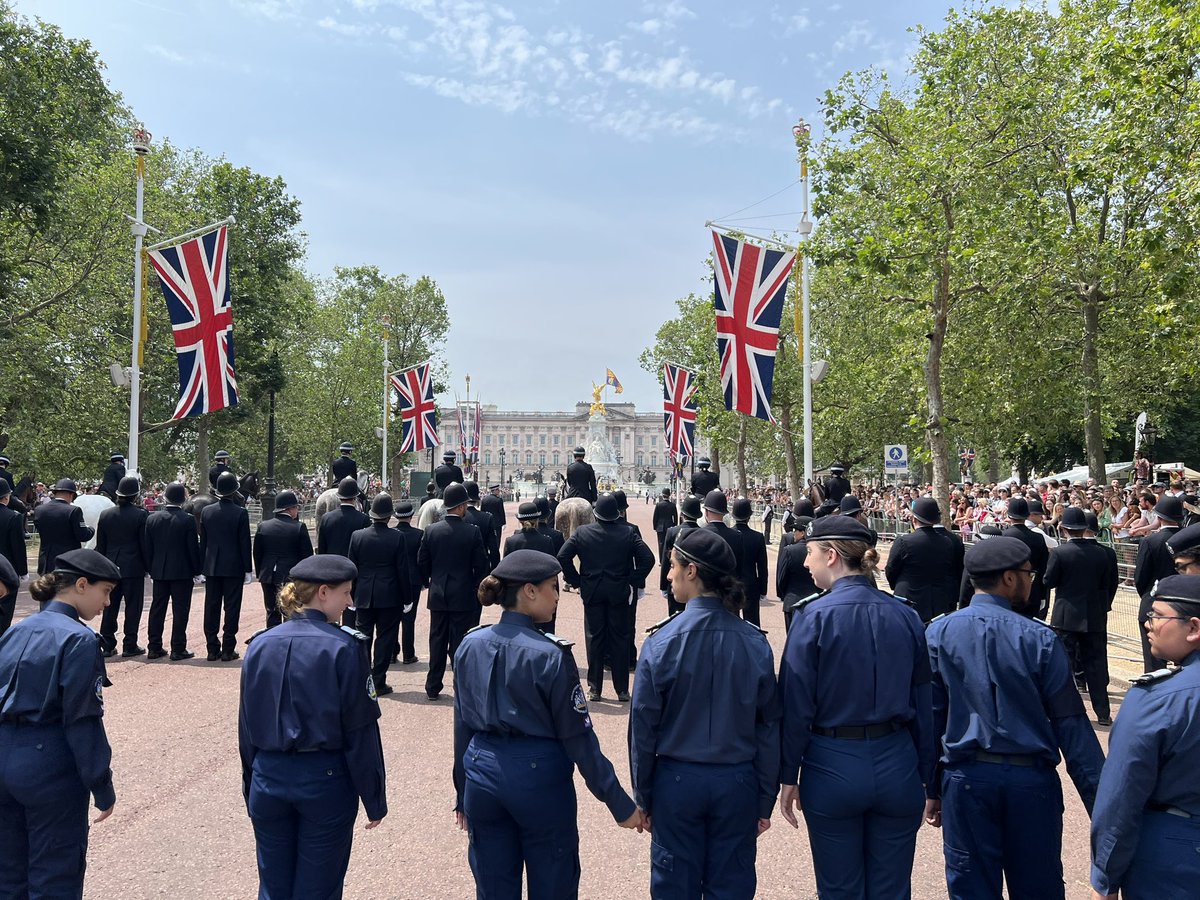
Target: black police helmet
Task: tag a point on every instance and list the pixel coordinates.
(286, 500)
(382, 507)
(606, 509)
(129, 487)
(690, 508)
(454, 495)
(742, 509)
(227, 484)
(347, 488)
(175, 494)
(529, 510)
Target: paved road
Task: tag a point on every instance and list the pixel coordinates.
(180, 826)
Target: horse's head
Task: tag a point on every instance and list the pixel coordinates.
(248, 485)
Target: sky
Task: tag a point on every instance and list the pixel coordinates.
(550, 164)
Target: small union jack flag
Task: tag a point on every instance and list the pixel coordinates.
(679, 409)
(195, 282)
(750, 283)
(418, 412)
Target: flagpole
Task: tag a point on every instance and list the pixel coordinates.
(203, 229)
(384, 472)
(141, 147)
(803, 133)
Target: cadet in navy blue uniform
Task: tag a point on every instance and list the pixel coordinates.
(1146, 821)
(753, 569)
(227, 566)
(383, 589)
(52, 741)
(412, 545)
(704, 751)
(309, 758)
(1004, 705)
(121, 536)
(173, 548)
(521, 725)
(279, 543)
(59, 525)
(857, 720)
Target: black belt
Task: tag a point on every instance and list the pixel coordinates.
(1170, 810)
(858, 732)
(1028, 760)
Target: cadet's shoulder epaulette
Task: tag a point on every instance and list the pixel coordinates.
(354, 633)
(1154, 677)
(799, 607)
(563, 643)
(657, 625)
(903, 600)
(479, 626)
(256, 634)
(756, 627)
(936, 618)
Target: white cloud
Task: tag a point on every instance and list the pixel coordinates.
(270, 9)
(169, 55)
(345, 29)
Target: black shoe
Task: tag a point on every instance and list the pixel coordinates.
(108, 654)
(594, 695)
(395, 659)
(157, 653)
(409, 660)
(1104, 720)
(230, 656)
(214, 655)
(431, 696)
(382, 690)
(134, 651)
(176, 656)
(623, 696)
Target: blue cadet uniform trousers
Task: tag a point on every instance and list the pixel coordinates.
(43, 814)
(303, 807)
(1167, 861)
(863, 801)
(705, 837)
(519, 801)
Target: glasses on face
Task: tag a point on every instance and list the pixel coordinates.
(1182, 566)
(1033, 575)
(1153, 616)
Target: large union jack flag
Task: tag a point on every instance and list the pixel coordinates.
(750, 283)
(679, 410)
(195, 282)
(418, 412)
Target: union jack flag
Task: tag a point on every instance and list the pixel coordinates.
(195, 282)
(418, 412)
(749, 287)
(679, 409)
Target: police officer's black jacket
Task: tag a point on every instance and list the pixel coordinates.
(12, 539)
(336, 526)
(789, 538)
(1154, 560)
(640, 583)
(7, 476)
(732, 538)
(489, 531)
(529, 539)
(1039, 555)
(926, 567)
(112, 477)
(344, 467)
(836, 487)
(412, 543)
(121, 536)
(581, 480)
(612, 558)
(705, 481)
(664, 564)
(60, 528)
(446, 474)
(225, 540)
(172, 544)
(279, 543)
(753, 569)
(1083, 574)
(665, 516)
(453, 561)
(215, 472)
(793, 581)
(384, 580)
(557, 538)
(494, 507)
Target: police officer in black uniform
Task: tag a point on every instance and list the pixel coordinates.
(1039, 553)
(666, 517)
(112, 476)
(220, 465)
(529, 537)
(452, 560)
(926, 566)
(336, 526)
(581, 477)
(306, 763)
(753, 570)
(52, 736)
(1083, 574)
(1154, 562)
(704, 481)
(716, 508)
(121, 536)
(552, 499)
(546, 525)
(6, 475)
(690, 511)
(802, 507)
(344, 466)
(408, 619)
(12, 549)
(487, 526)
(612, 558)
(10, 581)
(60, 525)
(447, 473)
(837, 485)
(793, 582)
(173, 551)
(279, 543)
(227, 564)
(493, 504)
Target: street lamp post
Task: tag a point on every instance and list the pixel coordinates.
(802, 132)
(503, 483)
(1149, 433)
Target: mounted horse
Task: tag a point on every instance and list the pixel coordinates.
(247, 490)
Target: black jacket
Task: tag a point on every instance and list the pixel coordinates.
(12, 539)
(494, 507)
(612, 558)
(793, 581)
(705, 481)
(60, 528)
(121, 536)
(384, 580)
(336, 527)
(280, 543)
(412, 543)
(1154, 561)
(1083, 574)
(664, 564)
(557, 538)
(215, 472)
(733, 539)
(1039, 555)
(753, 570)
(529, 539)
(665, 516)
(343, 467)
(581, 481)
(836, 487)
(926, 568)
(172, 544)
(453, 561)
(225, 540)
(111, 479)
(445, 474)
(489, 531)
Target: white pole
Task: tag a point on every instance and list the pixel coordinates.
(141, 146)
(384, 472)
(801, 133)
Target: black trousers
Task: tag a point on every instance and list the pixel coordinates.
(750, 607)
(179, 592)
(1088, 652)
(382, 628)
(408, 630)
(446, 630)
(767, 529)
(606, 629)
(132, 591)
(271, 602)
(222, 591)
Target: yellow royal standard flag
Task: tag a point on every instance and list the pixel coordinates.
(612, 380)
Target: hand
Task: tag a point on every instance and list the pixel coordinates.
(197, 579)
(637, 820)
(933, 813)
(763, 825)
(460, 819)
(104, 814)
(374, 823)
(26, 578)
(789, 802)
(249, 578)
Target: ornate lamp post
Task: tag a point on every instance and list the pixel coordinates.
(503, 483)
(1149, 433)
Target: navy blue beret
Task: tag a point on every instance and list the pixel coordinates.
(706, 548)
(527, 567)
(325, 568)
(1186, 540)
(841, 528)
(88, 563)
(997, 554)
(1179, 588)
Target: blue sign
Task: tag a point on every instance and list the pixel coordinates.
(895, 459)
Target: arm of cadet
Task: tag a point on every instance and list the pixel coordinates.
(797, 693)
(766, 736)
(360, 731)
(1134, 753)
(81, 681)
(940, 703)
(645, 715)
(462, 740)
(246, 749)
(1068, 720)
(921, 727)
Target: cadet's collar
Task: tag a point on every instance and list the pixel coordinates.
(512, 617)
(65, 609)
(1193, 657)
(314, 614)
(705, 603)
(991, 600)
(851, 581)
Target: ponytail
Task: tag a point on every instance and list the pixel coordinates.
(294, 596)
(47, 586)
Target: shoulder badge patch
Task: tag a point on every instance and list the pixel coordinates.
(578, 701)
(657, 625)
(371, 687)
(1154, 677)
(100, 688)
(353, 632)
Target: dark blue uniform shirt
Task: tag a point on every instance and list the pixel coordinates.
(1002, 684)
(306, 685)
(52, 673)
(511, 679)
(856, 656)
(1152, 756)
(706, 693)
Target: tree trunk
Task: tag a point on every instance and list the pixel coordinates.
(993, 462)
(714, 455)
(934, 426)
(1093, 431)
(202, 456)
(789, 450)
(741, 458)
